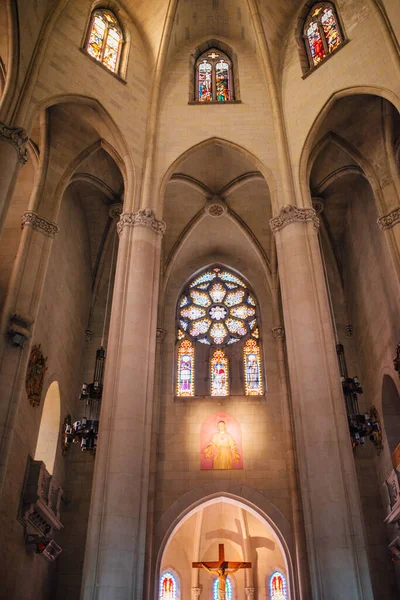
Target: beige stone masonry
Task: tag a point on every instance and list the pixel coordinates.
(32, 219)
(292, 214)
(390, 220)
(18, 138)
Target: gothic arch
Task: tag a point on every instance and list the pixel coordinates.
(391, 411)
(235, 493)
(10, 66)
(49, 430)
(259, 165)
(308, 146)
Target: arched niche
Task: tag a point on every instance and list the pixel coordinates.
(391, 412)
(46, 446)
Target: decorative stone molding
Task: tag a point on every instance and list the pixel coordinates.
(88, 335)
(390, 220)
(196, 591)
(250, 592)
(348, 331)
(18, 138)
(216, 208)
(396, 360)
(142, 218)
(160, 335)
(292, 214)
(318, 205)
(115, 210)
(32, 219)
(278, 332)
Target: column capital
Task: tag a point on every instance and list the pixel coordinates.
(32, 219)
(278, 332)
(250, 592)
(18, 138)
(390, 219)
(143, 218)
(160, 334)
(293, 214)
(196, 591)
(115, 210)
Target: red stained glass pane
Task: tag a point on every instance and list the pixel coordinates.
(205, 82)
(331, 29)
(222, 81)
(315, 43)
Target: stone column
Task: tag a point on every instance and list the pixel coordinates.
(196, 593)
(13, 154)
(390, 225)
(250, 592)
(23, 297)
(331, 505)
(116, 541)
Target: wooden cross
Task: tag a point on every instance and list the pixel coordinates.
(220, 569)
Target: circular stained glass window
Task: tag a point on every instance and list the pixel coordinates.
(217, 309)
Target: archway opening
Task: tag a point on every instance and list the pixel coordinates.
(49, 430)
(246, 537)
(391, 412)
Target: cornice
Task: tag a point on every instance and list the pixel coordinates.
(18, 138)
(292, 214)
(390, 219)
(142, 218)
(32, 219)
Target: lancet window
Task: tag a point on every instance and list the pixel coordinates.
(216, 312)
(168, 587)
(322, 33)
(105, 39)
(277, 586)
(214, 81)
(228, 591)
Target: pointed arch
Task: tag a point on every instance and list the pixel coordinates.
(49, 430)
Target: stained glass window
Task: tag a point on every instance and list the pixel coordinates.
(105, 39)
(322, 32)
(185, 375)
(168, 587)
(252, 368)
(214, 75)
(277, 587)
(217, 309)
(228, 592)
(219, 374)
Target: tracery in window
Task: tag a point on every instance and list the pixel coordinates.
(214, 76)
(168, 587)
(322, 32)
(185, 375)
(228, 592)
(217, 309)
(252, 368)
(105, 39)
(219, 374)
(277, 587)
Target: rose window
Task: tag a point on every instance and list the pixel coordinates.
(217, 309)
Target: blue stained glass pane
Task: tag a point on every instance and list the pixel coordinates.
(228, 589)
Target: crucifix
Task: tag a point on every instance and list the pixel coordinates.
(220, 569)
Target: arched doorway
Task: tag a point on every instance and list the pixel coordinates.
(391, 412)
(246, 536)
(49, 430)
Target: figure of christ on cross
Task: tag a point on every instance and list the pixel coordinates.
(220, 568)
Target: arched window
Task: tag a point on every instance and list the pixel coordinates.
(104, 41)
(228, 589)
(168, 587)
(218, 310)
(322, 32)
(46, 446)
(277, 587)
(214, 77)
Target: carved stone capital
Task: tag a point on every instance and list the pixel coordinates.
(115, 210)
(142, 218)
(216, 208)
(292, 214)
(278, 332)
(250, 592)
(348, 330)
(196, 591)
(88, 335)
(32, 219)
(160, 335)
(390, 220)
(18, 138)
(318, 205)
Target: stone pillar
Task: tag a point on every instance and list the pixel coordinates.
(390, 225)
(331, 505)
(196, 593)
(116, 540)
(13, 154)
(24, 293)
(250, 592)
